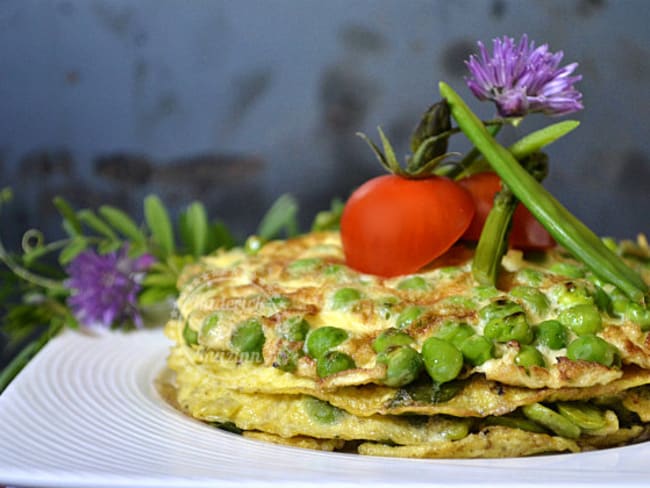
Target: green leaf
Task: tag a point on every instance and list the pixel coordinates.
(219, 237)
(329, 219)
(153, 295)
(71, 223)
(165, 280)
(375, 149)
(431, 136)
(194, 229)
(124, 224)
(72, 250)
(89, 218)
(137, 249)
(160, 225)
(106, 247)
(281, 216)
(389, 152)
(535, 141)
(6, 195)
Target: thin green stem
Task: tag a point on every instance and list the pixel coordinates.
(26, 275)
(567, 230)
(493, 242)
(26, 354)
(468, 165)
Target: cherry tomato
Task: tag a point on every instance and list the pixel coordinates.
(393, 225)
(527, 233)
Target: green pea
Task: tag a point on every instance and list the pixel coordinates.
(499, 309)
(332, 269)
(571, 293)
(515, 422)
(294, 329)
(620, 306)
(567, 269)
(210, 323)
(533, 298)
(530, 276)
(529, 356)
(386, 306)
(485, 292)
(509, 328)
(477, 349)
(551, 334)
(413, 283)
(453, 428)
(403, 365)
(279, 302)
(287, 358)
(442, 360)
(638, 314)
(321, 411)
(453, 332)
(458, 303)
(408, 316)
(190, 335)
(584, 415)
(450, 271)
(582, 319)
(253, 244)
(551, 420)
(591, 348)
(344, 297)
(322, 339)
(333, 362)
(389, 338)
(248, 337)
(304, 265)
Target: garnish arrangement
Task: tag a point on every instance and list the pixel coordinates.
(452, 308)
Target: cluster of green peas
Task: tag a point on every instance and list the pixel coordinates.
(453, 345)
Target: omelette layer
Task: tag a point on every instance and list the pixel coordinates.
(290, 346)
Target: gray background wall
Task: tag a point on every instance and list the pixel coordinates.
(235, 102)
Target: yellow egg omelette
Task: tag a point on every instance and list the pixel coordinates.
(289, 345)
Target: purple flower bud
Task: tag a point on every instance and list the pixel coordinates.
(521, 79)
(104, 288)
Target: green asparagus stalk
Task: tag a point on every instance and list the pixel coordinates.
(493, 242)
(567, 230)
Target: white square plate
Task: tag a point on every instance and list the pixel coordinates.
(85, 412)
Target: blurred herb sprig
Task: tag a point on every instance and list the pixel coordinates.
(109, 271)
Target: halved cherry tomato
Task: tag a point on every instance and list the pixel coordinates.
(527, 233)
(393, 225)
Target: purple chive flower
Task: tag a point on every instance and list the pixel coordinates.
(105, 287)
(521, 78)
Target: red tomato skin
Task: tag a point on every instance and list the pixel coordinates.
(527, 233)
(393, 226)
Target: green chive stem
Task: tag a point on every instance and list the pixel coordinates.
(567, 230)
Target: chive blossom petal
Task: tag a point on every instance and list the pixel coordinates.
(521, 78)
